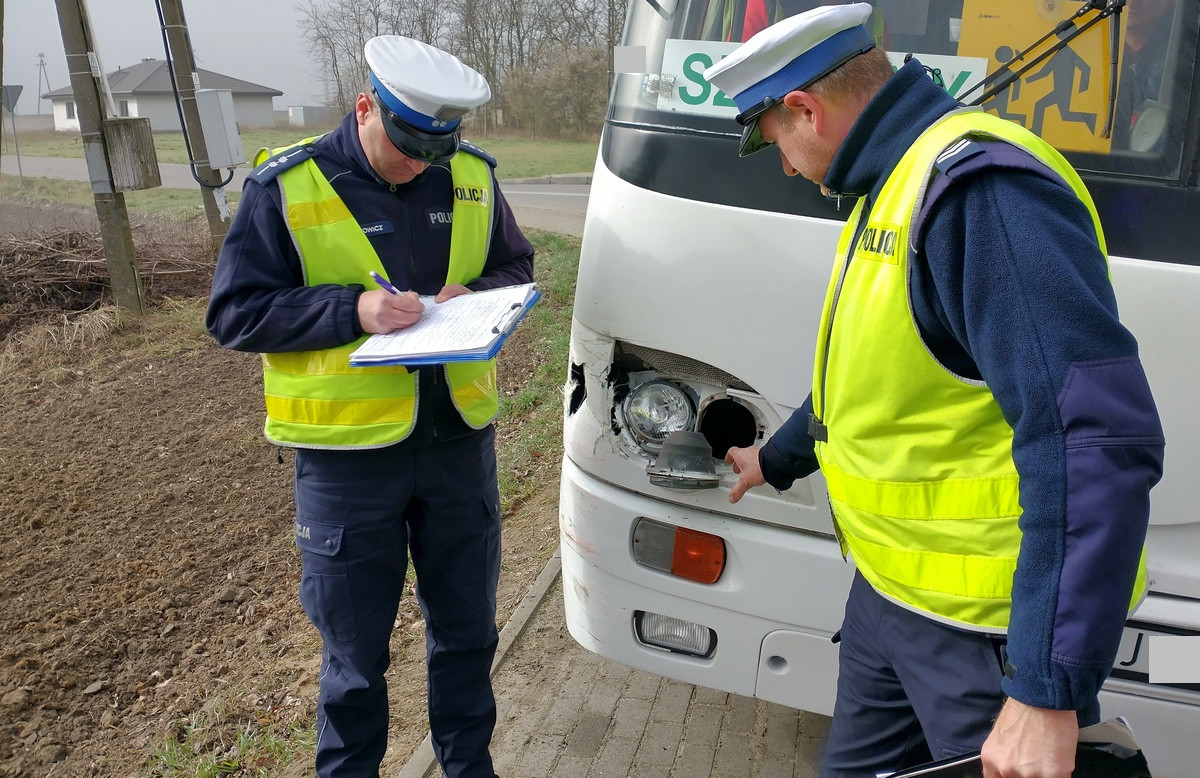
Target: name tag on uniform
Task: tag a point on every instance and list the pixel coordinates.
(377, 228)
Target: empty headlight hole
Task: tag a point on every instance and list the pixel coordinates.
(727, 423)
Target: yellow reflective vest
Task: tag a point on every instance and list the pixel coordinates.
(315, 399)
(918, 461)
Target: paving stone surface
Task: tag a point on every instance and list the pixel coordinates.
(564, 711)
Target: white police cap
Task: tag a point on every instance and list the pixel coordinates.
(790, 54)
(425, 93)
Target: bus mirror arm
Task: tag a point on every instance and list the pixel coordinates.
(1114, 47)
(663, 12)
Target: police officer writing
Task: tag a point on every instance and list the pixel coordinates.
(389, 463)
(980, 415)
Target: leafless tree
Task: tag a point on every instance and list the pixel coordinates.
(478, 35)
(337, 31)
(563, 46)
(563, 98)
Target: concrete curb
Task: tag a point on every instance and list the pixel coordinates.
(423, 764)
(579, 179)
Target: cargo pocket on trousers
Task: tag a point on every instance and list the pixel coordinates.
(324, 583)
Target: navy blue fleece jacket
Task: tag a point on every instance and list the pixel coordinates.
(1009, 286)
(260, 302)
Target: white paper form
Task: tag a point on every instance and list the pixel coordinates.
(464, 324)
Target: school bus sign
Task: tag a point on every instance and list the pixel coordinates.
(1065, 97)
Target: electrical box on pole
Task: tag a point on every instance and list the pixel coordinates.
(219, 124)
(186, 82)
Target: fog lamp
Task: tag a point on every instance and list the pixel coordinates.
(684, 637)
(685, 462)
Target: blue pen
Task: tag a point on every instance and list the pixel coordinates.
(385, 283)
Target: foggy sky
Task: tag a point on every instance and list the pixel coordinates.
(254, 40)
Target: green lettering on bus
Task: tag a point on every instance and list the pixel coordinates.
(696, 76)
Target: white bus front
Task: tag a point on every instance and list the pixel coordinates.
(700, 287)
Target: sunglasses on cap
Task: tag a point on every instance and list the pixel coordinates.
(414, 143)
(752, 139)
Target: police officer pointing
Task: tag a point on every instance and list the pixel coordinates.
(978, 411)
(389, 463)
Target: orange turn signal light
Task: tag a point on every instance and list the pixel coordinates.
(686, 553)
(698, 556)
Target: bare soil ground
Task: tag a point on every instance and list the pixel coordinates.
(149, 586)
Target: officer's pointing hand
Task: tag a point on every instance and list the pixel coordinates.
(745, 464)
(382, 311)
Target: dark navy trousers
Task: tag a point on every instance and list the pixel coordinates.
(359, 515)
(910, 689)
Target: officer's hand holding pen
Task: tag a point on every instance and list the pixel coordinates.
(388, 309)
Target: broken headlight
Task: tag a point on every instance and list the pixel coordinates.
(654, 410)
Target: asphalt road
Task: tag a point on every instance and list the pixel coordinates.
(568, 198)
(554, 203)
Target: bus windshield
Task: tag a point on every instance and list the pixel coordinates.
(1121, 112)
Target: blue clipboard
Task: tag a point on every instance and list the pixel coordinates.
(1105, 750)
(365, 356)
(502, 333)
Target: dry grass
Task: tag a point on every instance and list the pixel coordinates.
(69, 331)
(54, 277)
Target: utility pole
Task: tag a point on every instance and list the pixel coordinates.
(1, 85)
(1, 51)
(83, 67)
(182, 63)
(41, 77)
